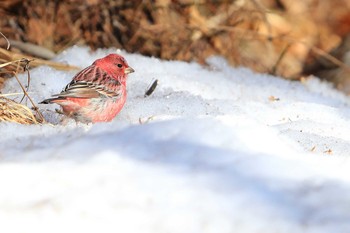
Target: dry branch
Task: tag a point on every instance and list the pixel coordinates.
(15, 112)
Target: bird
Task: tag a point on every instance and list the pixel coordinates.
(96, 93)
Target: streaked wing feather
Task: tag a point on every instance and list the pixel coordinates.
(81, 91)
(85, 85)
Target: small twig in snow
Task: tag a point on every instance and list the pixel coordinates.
(150, 89)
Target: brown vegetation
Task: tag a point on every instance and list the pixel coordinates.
(274, 36)
(282, 37)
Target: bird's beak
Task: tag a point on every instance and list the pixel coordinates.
(129, 70)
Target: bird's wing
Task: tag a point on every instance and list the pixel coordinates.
(82, 89)
(92, 82)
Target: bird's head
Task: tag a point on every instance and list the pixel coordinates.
(115, 65)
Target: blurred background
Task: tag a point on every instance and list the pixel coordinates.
(289, 38)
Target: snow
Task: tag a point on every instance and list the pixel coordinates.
(213, 149)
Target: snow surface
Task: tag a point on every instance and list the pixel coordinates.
(213, 149)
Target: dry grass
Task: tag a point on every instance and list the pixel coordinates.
(250, 33)
(9, 64)
(11, 111)
(12, 63)
(280, 37)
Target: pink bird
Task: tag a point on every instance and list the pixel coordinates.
(97, 93)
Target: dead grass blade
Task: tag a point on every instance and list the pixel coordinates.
(8, 42)
(9, 57)
(10, 111)
(15, 112)
(36, 109)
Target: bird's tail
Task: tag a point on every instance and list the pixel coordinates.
(48, 101)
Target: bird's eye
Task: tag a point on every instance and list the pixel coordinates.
(120, 65)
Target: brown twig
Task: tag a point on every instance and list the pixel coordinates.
(330, 58)
(14, 57)
(42, 119)
(32, 49)
(25, 68)
(11, 94)
(280, 57)
(8, 42)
